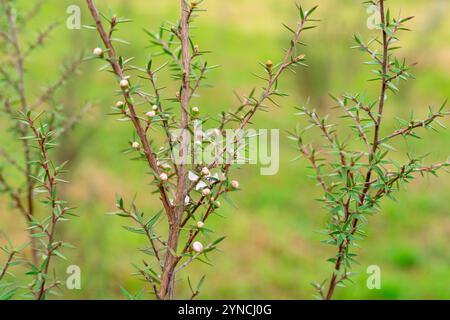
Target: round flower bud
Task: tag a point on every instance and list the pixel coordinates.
(200, 224)
(205, 171)
(235, 184)
(195, 110)
(217, 204)
(206, 192)
(163, 177)
(120, 104)
(150, 114)
(155, 108)
(269, 64)
(124, 84)
(197, 246)
(98, 52)
(136, 145)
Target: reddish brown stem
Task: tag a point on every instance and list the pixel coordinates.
(385, 65)
(168, 275)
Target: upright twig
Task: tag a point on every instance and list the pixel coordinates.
(189, 190)
(353, 188)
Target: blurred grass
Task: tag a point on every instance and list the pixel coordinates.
(272, 250)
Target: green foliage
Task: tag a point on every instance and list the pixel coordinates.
(357, 173)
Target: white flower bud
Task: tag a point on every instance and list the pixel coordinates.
(235, 184)
(197, 246)
(206, 192)
(124, 84)
(200, 224)
(150, 114)
(155, 108)
(217, 204)
(98, 52)
(136, 145)
(205, 171)
(195, 110)
(163, 177)
(119, 104)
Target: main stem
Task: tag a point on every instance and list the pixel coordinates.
(385, 66)
(170, 263)
(19, 65)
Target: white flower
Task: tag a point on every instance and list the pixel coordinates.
(98, 52)
(197, 246)
(205, 171)
(163, 177)
(200, 224)
(136, 145)
(150, 114)
(124, 84)
(206, 192)
(235, 184)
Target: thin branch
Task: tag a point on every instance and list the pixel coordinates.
(40, 40)
(51, 90)
(412, 125)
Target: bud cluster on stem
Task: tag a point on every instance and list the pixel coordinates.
(190, 193)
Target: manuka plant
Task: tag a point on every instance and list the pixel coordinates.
(358, 172)
(189, 190)
(29, 178)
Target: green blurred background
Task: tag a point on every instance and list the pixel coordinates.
(273, 248)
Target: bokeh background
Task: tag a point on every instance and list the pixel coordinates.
(273, 248)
